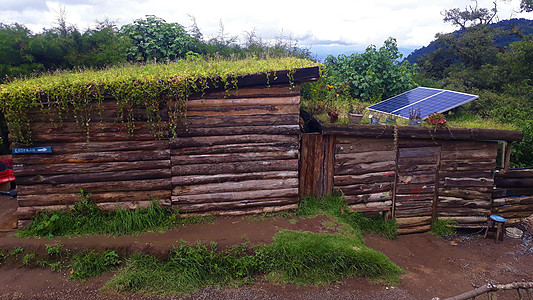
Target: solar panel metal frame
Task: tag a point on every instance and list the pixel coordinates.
(440, 92)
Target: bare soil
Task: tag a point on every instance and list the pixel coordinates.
(434, 267)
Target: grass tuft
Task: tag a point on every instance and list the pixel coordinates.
(89, 264)
(443, 227)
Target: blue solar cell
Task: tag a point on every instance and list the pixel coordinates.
(426, 99)
(402, 100)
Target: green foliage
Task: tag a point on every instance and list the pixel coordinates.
(54, 250)
(89, 264)
(86, 218)
(16, 251)
(147, 86)
(310, 258)
(373, 75)
(153, 38)
(28, 259)
(441, 228)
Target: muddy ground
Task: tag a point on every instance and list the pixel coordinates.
(434, 267)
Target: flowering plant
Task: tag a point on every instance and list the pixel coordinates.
(437, 119)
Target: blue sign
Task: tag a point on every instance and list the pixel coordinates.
(45, 149)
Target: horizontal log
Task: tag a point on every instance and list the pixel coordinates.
(423, 160)
(95, 177)
(235, 196)
(232, 157)
(364, 168)
(231, 139)
(27, 212)
(235, 121)
(345, 144)
(91, 157)
(64, 199)
(243, 110)
(140, 135)
(481, 193)
(358, 189)
(246, 211)
(93, 187)
(415, 189)
(415, 229)
(75, 129)
(454, 146)
(364, 157)
(365, 198)
(517, 214)
(240, 186)
(422, 132)
(466, 220)
(224, 131)
(461, 165)
(409, 143)
(235, 148)
(514, 208)
(236, 205)
(406, 168)
(414, 221)
(235, 102)
(78, 168)
(414, 197)
(463, 211)
(341, 180)
(67, 148)
(514, 182)
(448, 203)
(467, 174)
(402, 206)
(249, 92)
(235, 167)
(410, 178)
(413, 212)
(468, 182)
(514, 200)
(523, 173)
(469, 154)
(418, 152)
(221, 178)
(510, 192)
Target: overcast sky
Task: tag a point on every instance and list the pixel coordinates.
(413, 23)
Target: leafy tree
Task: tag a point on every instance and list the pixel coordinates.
(472, 15)
(372, 75)
(526, 5)
(15, 59)
(153, 38)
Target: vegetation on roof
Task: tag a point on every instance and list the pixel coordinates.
(132, 85)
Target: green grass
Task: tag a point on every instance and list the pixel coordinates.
(441, 228)
(86, 218)
(463, 119)
(91, 263)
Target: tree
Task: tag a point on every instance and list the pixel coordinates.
(471, 15)
(15, 59)
(526, 6)
(153, 38)
(372, 75)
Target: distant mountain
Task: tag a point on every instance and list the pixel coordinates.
(525, 26)
(320, 52)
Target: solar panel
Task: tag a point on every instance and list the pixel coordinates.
(428, 100)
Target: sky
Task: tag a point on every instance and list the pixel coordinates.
(318, 25)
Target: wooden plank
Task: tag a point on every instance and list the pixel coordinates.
(243, 110)
(365, 198)
(341, 180)
(408, 178)
(95, 177)
(78, 168)
(346, 144)
(231, 139)
(247, 185)
(311, 172)
(250, 92)
(365, 168)
(414, 221)
(468, 154)
(418, 152)
(358, 189)
(66, 148)
(464, 193)
(223, 131)
(235, 167)
(407, 168)
(235, 196)
(415, 229)
(236, 148)
(459, 146)
(92, 157)
(522, 173)
(514, 182)
(140, 135)
(220, 178)
(412, 161)
(234, 121)
(232, 157)
(468, 182)
(94, 127)
(93, 187)
(365, 157)
(461, 165)
(234, 102)
(414, 197)
(245, 211)
(236, 205)
(67, 199)
(415, 189)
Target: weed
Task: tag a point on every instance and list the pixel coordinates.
(42, 263)
(16, 251)
(28, 259)
(56, 266)
(443, 227)
(3, 256)
(92, 263)
(54, 250)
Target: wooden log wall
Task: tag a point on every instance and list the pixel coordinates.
(102, 159)
(466, 180)
(238, 153)
(364, 170)
(513, 196)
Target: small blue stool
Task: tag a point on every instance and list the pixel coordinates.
(498, 222)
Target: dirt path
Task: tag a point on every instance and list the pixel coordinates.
(434, 267)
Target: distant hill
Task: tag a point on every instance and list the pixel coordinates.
(525, 26)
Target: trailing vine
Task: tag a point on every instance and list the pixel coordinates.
(151, 87)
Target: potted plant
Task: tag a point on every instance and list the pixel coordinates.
(437, 119)
(355, 112)
(415, 118)
(333, 115)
